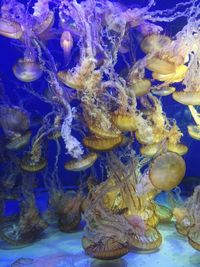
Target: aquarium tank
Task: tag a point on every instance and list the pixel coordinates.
(99, 133)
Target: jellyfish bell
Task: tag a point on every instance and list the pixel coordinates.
(141, 87)
(167, 171)
(164, 91)
(71, 81)
(149, 241)
(27, 70)
(149, 150)
(19, 141)
(177, 76)
(155, 43)
(164, 214)
(177, 148)
(124, 122)
(194, 131)
(99, 132)
(30, 164)
(102, 144)
(109, 250)
(13, 120)
(66, 43)
(159, 65)
(41, 27)
(82, 164)
(10, 29)
(187, 97)
(194, 237)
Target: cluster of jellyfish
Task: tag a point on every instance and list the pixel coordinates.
(117, 110)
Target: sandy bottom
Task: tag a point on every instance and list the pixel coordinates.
(56, 249)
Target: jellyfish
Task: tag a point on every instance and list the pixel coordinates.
(82, 164)
(10, 29)
(124, 121)
(163, 91)
(102, 144)
(64, 206)
(66, 43)
(140, 87)
(33, 160)
(15, 124)
(27, 70)
(194, 130)
(167, 171)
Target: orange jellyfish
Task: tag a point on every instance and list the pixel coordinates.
(109, 249)
(82, 164)
(163, 91)
(102, 144)
(194, 130)
(124, 121)
(30, 163)
(167, 171)
(155, 42)
(140, 87)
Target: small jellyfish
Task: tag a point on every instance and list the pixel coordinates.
(178, 148)
(44, 26)
(187, 97)
(108, 249)
(174, 77)
(164, 91)
(10, 29)
(154, 43)
(30, 163)
(15, 124)
(66, 42)
(150, 150)
(102, 144)
(82, 164)
(141, 87)
(194, 131)
(124, 121)
(159, 65)
(27, 70)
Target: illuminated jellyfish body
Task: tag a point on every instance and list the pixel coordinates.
(167, 171)
(140, 87)
(27, 70)
(31, 162)
(194, 130)
(109, 249)
(82, 164)
(15, 124)
(164, 91)
(10, 29)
